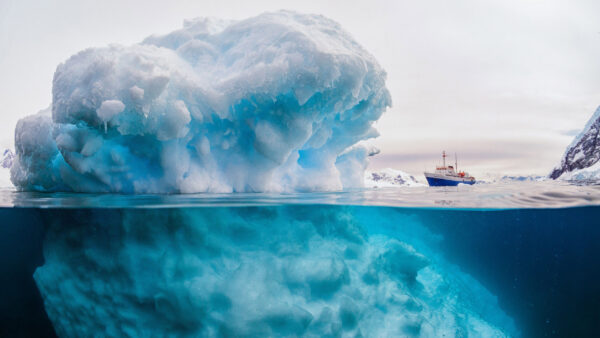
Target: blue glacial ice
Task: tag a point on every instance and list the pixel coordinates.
(315, 271)
(277, 102)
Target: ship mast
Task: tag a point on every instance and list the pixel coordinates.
(455, 162)
(444, 158)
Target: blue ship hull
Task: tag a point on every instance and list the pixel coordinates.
(440, 182)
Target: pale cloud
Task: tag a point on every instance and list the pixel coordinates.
(505, 78)
(480, 157)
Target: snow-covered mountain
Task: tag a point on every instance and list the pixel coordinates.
(390, 178)
(581, 161)
(6, 161)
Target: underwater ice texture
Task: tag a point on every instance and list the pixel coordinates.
(322, 271)
(276, 102)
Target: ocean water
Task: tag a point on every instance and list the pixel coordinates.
(515, 260)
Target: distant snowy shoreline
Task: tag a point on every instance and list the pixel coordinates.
(390, 178)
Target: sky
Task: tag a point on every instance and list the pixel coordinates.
(505, 84)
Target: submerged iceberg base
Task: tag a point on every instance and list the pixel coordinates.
(256, 271)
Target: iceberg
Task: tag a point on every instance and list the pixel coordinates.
(277, 102)
(267, 271)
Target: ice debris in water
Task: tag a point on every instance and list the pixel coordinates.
(257, 272)
(270, 103)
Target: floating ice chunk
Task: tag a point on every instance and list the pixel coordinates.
(269, 103)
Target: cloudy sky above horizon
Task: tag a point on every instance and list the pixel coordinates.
(506, 84)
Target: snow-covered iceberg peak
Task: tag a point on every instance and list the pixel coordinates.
(264, 104)
(581, 161)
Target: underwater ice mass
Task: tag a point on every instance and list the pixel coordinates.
(281, 271)
(277, 102)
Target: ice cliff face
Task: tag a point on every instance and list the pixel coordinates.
(581, 160)
(271, 103)
(314, 271)
(390, 178)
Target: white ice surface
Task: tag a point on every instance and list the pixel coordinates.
(269, 103)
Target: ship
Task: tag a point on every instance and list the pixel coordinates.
(448, 175)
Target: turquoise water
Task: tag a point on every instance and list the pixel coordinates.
(339, 264)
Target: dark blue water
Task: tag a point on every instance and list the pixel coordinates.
(313, 270)
(541, 264)
(22, 311)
